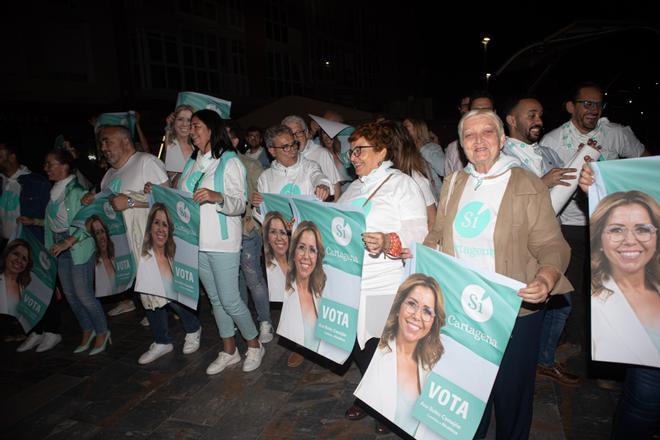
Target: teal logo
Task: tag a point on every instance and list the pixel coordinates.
(472, 219)
(115, 185)
(476, 304)
(193, 180)
(109, 211)
(291, 189)
(341, 231)
(183, 212)
(366, 208)
(44, 260)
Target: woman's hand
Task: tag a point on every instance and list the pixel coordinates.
(87, 199)
(322, 192)
(169, 120)
(62, 246)
(147, 187)
(205, 195)
(257, 199)
(538, 290)
(28, 221)
(375, 242)
(586, 175)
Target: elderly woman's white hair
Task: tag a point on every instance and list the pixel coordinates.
(474, 113)
(294, 119)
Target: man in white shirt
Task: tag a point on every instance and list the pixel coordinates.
(525, 125)
(290, 173)
(310, 150)
(128, 173)
(614, 141)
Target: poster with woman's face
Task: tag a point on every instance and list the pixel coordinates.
(441, 347)
(169, 258)
(115, 264)
(27, 279)
(315, 269)
(625, 264)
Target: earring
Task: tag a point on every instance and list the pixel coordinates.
(380, 162)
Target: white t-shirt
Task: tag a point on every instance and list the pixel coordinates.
(8, 303)
(425, 187)
(323, 157)
(130, 180)
(616, 141)
(474, 224)
(174, 158)
(276, 282)
(202, 174)
(301, 178)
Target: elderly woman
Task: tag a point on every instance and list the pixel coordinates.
(395, 219)
(216, 177)
(409, 349)
(305, 281)
(626, 225)
(498, 217)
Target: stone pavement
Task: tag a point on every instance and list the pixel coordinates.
(59, 395)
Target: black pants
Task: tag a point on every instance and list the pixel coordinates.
(513, 390)
(363, 357)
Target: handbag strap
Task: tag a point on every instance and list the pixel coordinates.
(376, 190)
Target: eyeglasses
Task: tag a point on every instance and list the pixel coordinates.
(592, 105)
(412, 307)
(642, 233)
(280, 233)
(287, 147)
(357, 151)
(300, 133)
(303, 248)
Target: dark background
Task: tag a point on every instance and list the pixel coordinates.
(64, 61)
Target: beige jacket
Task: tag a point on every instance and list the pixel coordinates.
(254, 170)
(527, 233)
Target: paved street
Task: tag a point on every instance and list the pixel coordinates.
(60, 395)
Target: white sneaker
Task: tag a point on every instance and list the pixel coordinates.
(49, 341)
(155, 351)
(191, 343)
(123, 307)
(32, 341)
(223, 361)
(144, 322)
(265, 332)
(253, 358)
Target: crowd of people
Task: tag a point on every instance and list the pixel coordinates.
(411, 190)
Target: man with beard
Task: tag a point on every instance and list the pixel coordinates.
(129, 171)
(525, 125)
(585, 105)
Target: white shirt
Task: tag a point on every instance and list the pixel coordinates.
(452, 158)
(474, 224)
(234, 180)
(174, 158)
(103, 285)
(323, 157)
(276, 281)
(130, 180)
(301, 178)
(435, 157)
(8, 303)
(425, 187)
(616, 141)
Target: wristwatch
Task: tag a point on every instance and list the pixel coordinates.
(131, 203)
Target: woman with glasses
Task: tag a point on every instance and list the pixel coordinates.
(177, 140)
(498, 216)
(407, 352)
(305, 281)
(625, 302)
(216, 177)
(276, 249)
(625, 286)
(395, 219)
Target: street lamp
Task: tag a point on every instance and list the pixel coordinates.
(485, 40)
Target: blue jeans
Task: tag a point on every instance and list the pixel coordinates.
(252, 275)
(556, 315)
(78, 286)
(158, 321)
(218, 272)
(638, 412)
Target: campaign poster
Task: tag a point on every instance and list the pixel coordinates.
(624, 217)
(115, 265)
(322, 283)
(169, 262)
(441, 347)
(35, 270)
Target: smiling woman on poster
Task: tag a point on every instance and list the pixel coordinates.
(158, 249)
(625, 283)
(305, 282)
(104, 275)
(276, 248)
(408, 350)
(15, 276)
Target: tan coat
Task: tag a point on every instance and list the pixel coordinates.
(527, 233)
(254, 170)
